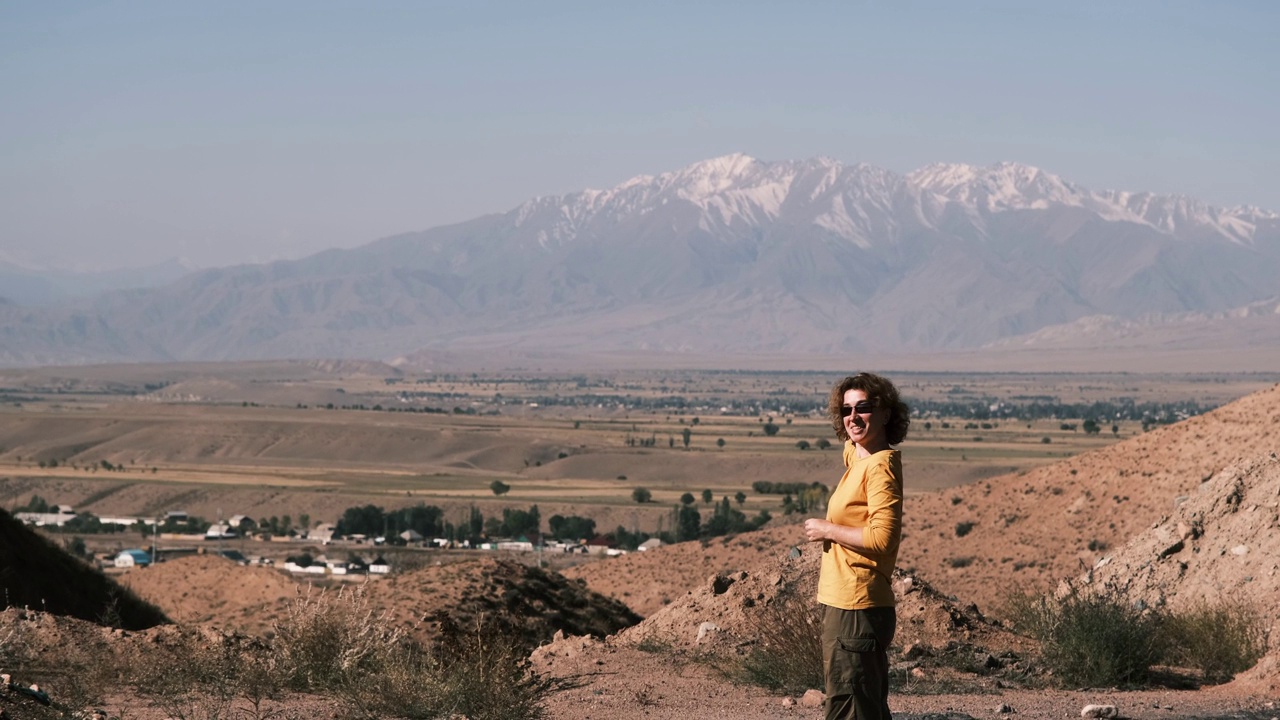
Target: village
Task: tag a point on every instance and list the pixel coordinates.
(239, 540)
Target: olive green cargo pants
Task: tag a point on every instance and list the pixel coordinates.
(855, 658)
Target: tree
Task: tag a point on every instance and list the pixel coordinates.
(770, 429)
(627, 539)
(686, 499)
(741, 497)
(364, 520)
(803, 444)
(499, 488)
(719, 442)
(1115, 430)
(422, 519)
(36, 505)
(77, 547)
(688, 523)
(1091, 427)
(641, 495)
(706, 497)
(686, 434)
(571, 527)
(519, 522)
(823, 443)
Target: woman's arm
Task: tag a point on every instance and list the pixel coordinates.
(884, 518)
(818, 530)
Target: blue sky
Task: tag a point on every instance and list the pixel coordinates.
(228, 132)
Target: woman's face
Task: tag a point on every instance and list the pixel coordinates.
(865, 429)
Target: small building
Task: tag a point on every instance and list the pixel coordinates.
(132, 558)
(411, 536)
(43, 519)
(599, 545)
(178, 516)
(125, 521)
(650, 544)
(220, 531)
(379, 566)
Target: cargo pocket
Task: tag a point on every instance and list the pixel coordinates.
(859, 644)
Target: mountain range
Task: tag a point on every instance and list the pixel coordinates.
(727, 256)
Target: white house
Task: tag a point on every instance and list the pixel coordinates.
(219, 531)
(379, 566)
(650, 544)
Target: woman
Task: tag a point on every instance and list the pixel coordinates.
(860, 547)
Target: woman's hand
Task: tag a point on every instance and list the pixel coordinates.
(817, 530)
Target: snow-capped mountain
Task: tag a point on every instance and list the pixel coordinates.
(1011, 186)
(728, 255)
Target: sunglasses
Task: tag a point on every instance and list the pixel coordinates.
(862, 407)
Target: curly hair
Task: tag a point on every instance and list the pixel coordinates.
(881, 392)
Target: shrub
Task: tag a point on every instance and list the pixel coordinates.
(963, 528)
(788, 656)
(1218, 640)
(327, 637)
(1092, 639)
(477, 671)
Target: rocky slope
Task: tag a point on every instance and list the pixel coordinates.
(1220, 544)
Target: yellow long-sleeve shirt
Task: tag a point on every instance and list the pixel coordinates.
(869, 496)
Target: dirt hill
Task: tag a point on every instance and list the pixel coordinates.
(207, 589)
(37, 574)
(648, 581)
(741, 603)
(1050, 523)
(534, 602)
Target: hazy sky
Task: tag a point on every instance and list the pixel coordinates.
(228, 132)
